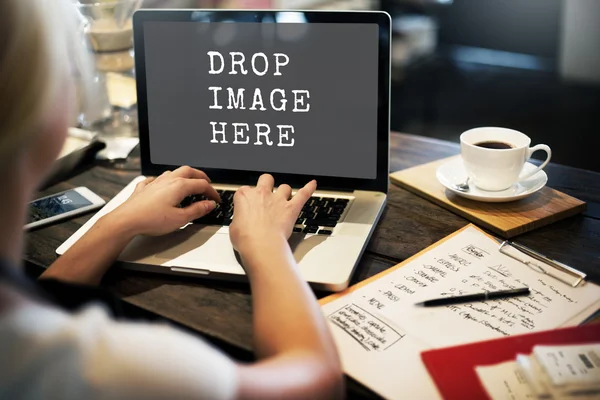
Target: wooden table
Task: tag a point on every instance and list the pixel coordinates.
(222, 312)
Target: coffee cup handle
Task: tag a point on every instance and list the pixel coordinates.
(530, 151)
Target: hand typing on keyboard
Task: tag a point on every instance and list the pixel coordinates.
(154, 207)
(319, 215)
(262, 216)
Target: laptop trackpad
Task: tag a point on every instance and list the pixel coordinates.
(171, 246)
(196, 245)
(301, 245)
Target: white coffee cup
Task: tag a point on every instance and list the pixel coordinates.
(494, 157)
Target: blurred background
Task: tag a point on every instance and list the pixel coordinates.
(530, 65)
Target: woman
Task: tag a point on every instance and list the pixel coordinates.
(50, 353)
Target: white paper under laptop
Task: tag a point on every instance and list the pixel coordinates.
(300, 95)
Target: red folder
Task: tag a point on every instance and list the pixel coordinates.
(453, 368)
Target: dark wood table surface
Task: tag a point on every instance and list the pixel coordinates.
(222, 312)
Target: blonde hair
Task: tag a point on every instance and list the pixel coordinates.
(39, 47)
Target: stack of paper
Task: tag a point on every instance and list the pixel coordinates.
(563, 372)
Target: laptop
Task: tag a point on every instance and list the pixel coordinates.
(301, 95)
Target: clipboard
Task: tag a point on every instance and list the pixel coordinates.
(526, 256)
(542, 264)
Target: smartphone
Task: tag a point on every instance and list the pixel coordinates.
(63, 205)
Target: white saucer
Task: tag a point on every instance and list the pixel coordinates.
(453, 172)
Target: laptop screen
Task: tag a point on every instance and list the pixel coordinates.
(293, 98)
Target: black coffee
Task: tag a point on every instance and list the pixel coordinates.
(494, 145)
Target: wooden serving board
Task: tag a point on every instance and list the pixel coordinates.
(506, 219)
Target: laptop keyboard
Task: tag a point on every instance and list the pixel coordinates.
(318, 216)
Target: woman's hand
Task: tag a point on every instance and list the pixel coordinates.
(153, 208)
(261, 215)
(291, 336)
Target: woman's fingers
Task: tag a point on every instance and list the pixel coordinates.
(198, 209)
(266, 181)
(303, 195)
(285, 191)
(189, 172)
(187, 187)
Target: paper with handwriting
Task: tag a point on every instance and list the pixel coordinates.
(380, 332)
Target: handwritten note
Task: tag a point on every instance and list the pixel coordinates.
(369, 331)
(468, 262)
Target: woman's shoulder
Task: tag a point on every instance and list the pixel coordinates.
(36, 341)
(40, 344)
(31, 327)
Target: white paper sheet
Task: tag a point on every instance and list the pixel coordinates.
(466, 263)
(117, 147)
(378, 353)
(505, 381)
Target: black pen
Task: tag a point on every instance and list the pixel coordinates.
(475, 297)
